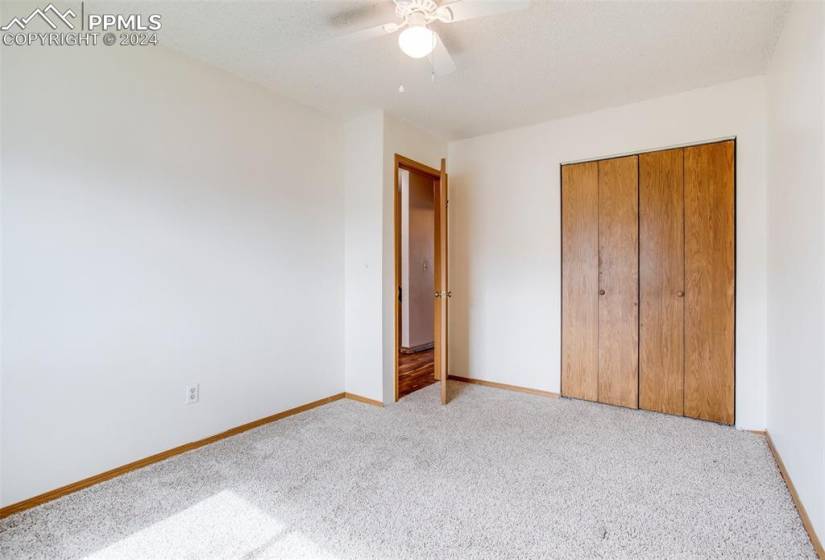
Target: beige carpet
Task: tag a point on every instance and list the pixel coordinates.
(494, 475)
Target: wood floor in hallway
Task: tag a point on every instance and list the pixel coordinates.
(415, 371)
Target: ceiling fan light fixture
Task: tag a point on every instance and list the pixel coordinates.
(417, 41)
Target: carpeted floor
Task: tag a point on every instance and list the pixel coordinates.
(493, 475)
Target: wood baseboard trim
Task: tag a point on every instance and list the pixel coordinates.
(505, 386)
(163, 455)
(803, 514)
(365, 400)
(414, 349)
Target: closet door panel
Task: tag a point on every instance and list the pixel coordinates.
(661, 282)
(709, 282)
(618, 281)
(580, 259)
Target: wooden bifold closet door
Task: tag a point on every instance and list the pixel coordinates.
(648, 278)
(661, 282)
(600, 281)
(580, 281)
(619, 282)
(709, 282)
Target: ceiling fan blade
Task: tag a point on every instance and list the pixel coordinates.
(442, 61)
(359, 14)
(363, 35)
(461, 10)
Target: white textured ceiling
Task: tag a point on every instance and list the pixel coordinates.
(551, 60)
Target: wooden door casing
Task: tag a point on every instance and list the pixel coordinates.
(413, 166)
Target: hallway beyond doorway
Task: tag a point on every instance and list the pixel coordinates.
(415, 371)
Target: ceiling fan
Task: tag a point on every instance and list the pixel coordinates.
(417, 39)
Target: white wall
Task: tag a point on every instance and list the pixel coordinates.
(796, 254)
(164, 223)
(505, 231)
(363, 137)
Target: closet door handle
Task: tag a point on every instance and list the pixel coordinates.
(601, 292)
(680, 294)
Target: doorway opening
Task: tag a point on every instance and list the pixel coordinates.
(418, 274)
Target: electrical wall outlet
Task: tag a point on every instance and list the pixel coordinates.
(193, 394)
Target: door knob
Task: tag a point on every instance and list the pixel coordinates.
(601, 292)
(437, 294)
(680, 294)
